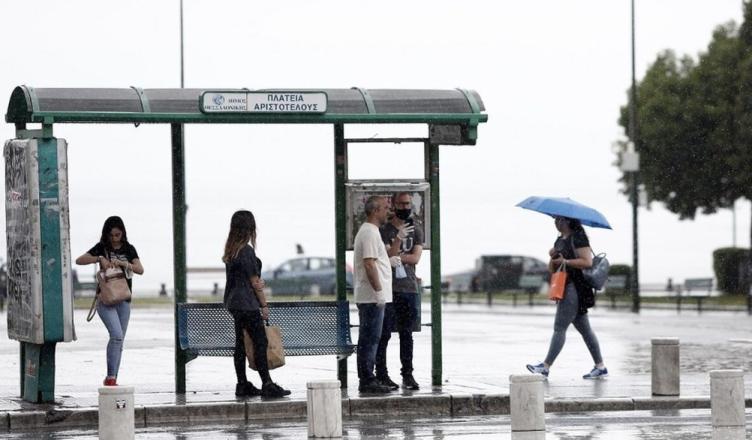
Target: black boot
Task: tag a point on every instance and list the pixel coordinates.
(246, 389)
(409, 383)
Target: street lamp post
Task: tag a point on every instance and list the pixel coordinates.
(633, 178)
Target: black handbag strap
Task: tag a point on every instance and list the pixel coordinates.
(93, 308)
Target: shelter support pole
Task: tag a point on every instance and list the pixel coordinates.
(432, 175)
(178, 243)
(340, 218)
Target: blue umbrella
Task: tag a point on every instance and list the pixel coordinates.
(566, 208)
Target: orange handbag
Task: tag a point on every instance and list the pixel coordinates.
(558, 284)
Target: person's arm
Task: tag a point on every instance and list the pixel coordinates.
(372, 273)
(134, 266)
(552, 266)
(87, 258)
(137, 267)
(393, 249)
(260, 296)
(584, 259)
(402, 232)
(413, 257)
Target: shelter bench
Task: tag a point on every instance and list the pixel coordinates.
(309, 328)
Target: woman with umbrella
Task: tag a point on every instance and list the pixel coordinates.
(572, 249)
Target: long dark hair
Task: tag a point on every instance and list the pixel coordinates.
(110, 224)
(575, 226)
(242, 230)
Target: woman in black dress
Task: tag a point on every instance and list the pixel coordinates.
(244, 299)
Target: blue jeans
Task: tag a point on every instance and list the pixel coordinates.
(115, 319)
(400, 314)
(371, 320)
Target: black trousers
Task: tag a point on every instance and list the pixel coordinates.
(400, 314)
(251, 322)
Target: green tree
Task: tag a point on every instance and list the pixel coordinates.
(694, 125)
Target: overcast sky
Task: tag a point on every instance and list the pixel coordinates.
(552, 75)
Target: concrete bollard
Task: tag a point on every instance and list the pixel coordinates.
(665, 366)
(730, 433)
(324, 409)
(116, 413)
(526, 406)
(727, 398)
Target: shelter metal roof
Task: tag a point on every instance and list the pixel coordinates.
(136, 105)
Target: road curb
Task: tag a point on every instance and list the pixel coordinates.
(456, 405)
(560, 405)
(480, 404)
(433, 405)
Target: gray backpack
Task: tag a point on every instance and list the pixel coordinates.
(597, 275)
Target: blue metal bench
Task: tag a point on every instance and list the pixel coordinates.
(309, 328)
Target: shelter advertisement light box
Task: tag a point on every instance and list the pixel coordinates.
(357, 192)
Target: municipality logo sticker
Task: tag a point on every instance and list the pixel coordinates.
(219, 100)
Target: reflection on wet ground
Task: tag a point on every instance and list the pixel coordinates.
(633, 425)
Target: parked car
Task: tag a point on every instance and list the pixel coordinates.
(305, 276)
(497, 273)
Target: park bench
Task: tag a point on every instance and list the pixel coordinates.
(79, 287)
(615, 285)
(309, 328)
(530, 284)
(702, 288)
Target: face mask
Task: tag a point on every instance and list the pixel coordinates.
(403, 214)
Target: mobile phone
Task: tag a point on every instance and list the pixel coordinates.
(409, 221)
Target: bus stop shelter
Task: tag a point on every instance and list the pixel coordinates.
(452, 118)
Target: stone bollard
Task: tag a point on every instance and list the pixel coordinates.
(324, 409)
(730, 433)
(665, 366)
(727, 398)
(526, 408)
(116, 415)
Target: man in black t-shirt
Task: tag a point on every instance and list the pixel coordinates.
(404, 239)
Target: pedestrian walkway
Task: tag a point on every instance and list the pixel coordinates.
(482, 346)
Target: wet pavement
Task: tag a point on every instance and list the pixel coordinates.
(664, 424)
(482, 346)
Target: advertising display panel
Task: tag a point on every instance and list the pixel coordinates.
(357, 192)
(40, 293)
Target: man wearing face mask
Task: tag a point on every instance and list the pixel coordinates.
(404, 239)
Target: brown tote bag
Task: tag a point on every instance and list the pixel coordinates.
(558, 284)
(113, 288)
(275, 352)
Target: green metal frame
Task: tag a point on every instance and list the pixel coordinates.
(259, 118)
(340, 219)
(179, 244)
(432, 175)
